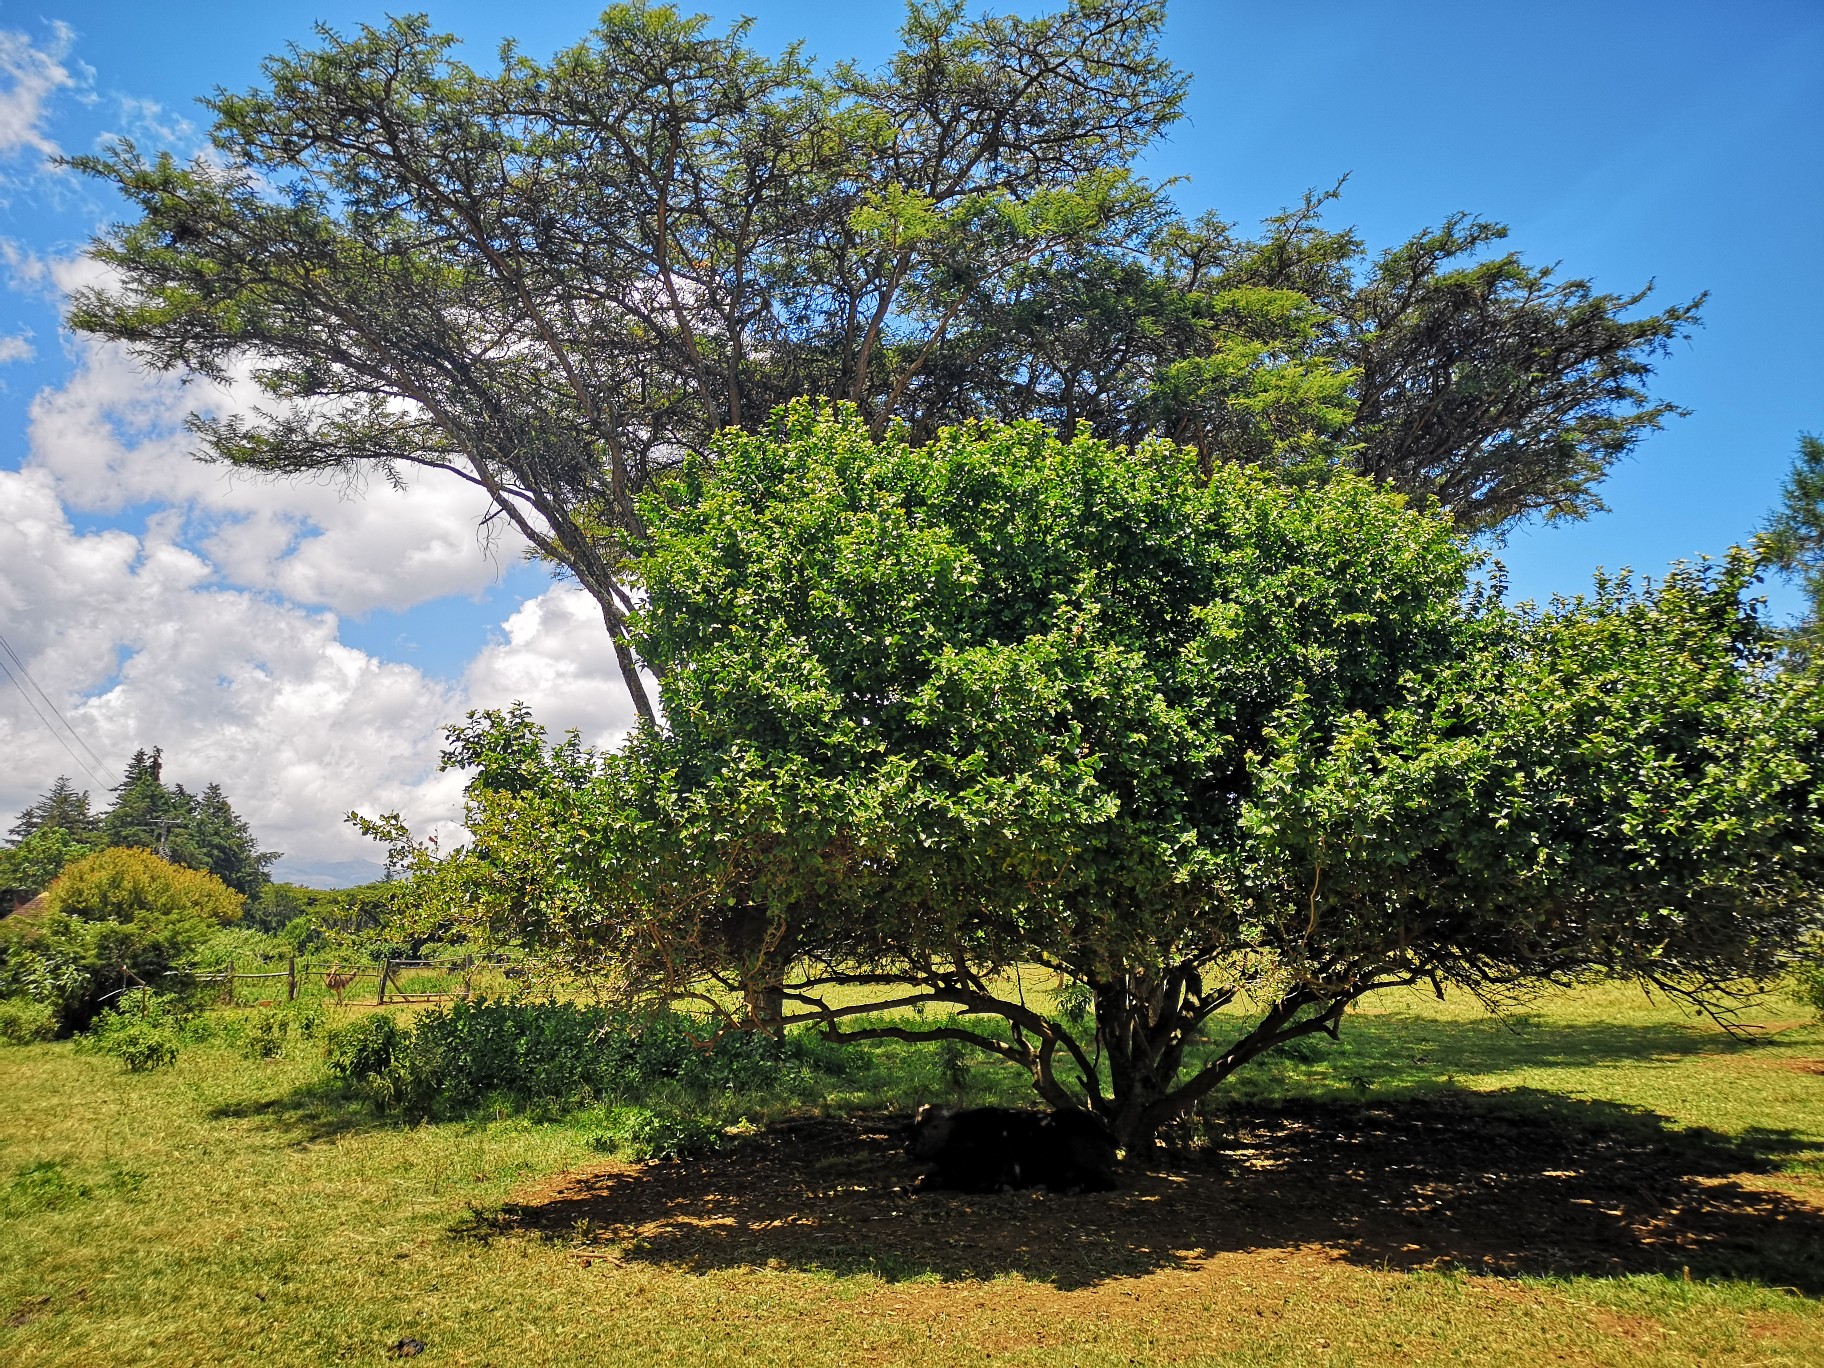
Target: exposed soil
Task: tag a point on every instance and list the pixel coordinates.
(1504, 1185)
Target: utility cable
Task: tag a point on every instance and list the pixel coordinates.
(95, 771)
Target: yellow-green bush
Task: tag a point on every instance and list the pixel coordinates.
(124, 884)
(111, 919)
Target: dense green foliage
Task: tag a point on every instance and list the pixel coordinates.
(200, 831)
(112, 919)
(1183, 738)
(144, 1031)
(51, 832)
(559, 1054)
(24, 1021)
(552, 279)
(63, 808)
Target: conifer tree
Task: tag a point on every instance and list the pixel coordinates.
(200, 831)
(64, 808)
(226, 843)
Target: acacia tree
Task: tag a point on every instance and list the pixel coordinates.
(557, 280)
(1189, 741)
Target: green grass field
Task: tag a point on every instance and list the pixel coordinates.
(1602, 1180)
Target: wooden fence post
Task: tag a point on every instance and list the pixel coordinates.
(468, 978)
(291, 979)
(386, 970)
(228, 986)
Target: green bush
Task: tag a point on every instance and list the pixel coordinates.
(108, 911)
(641, 1133)
(25, 1022)
(267, 1031)
(143, 1030)
(368, 1056)
(140, 1043)
(559, 1054)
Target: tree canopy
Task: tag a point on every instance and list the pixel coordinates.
(560, 279)
(1188, 741)
(200, 831)
(57, 828)
(63, 807)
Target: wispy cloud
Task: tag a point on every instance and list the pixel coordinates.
(30, 78)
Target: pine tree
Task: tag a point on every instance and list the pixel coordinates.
(151, 816)
(64, 808)
(200, 831)
(226, 843)
(1794, 538)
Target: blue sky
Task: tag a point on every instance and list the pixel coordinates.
(1677, 143)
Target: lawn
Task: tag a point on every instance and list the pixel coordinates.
(1602, 1180)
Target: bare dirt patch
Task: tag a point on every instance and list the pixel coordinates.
(1521, 1183)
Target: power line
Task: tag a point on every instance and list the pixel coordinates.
(81, 763)
(95, 771)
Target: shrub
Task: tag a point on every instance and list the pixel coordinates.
(267, 1031)
(557, 1054)
(370, 1058)
(127, 885)
(640, 1133)
(25, 1022)
(143, 1031)
(143, 1046)
(115, 910)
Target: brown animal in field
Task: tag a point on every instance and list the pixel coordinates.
(337, 981)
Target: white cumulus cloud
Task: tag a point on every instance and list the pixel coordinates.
(112, 438)
(138, 648)
(554, 655)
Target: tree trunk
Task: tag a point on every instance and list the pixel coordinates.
(1135, 1034)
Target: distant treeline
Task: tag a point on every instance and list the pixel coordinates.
(196, 830)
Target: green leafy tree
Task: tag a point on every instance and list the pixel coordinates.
(27, 868)
(1186, 742)
(553, 280)
(112, 918)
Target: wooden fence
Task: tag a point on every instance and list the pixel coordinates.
(392, 980)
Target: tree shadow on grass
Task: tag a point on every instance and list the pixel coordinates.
(311, 1114)
(1509, 1184)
